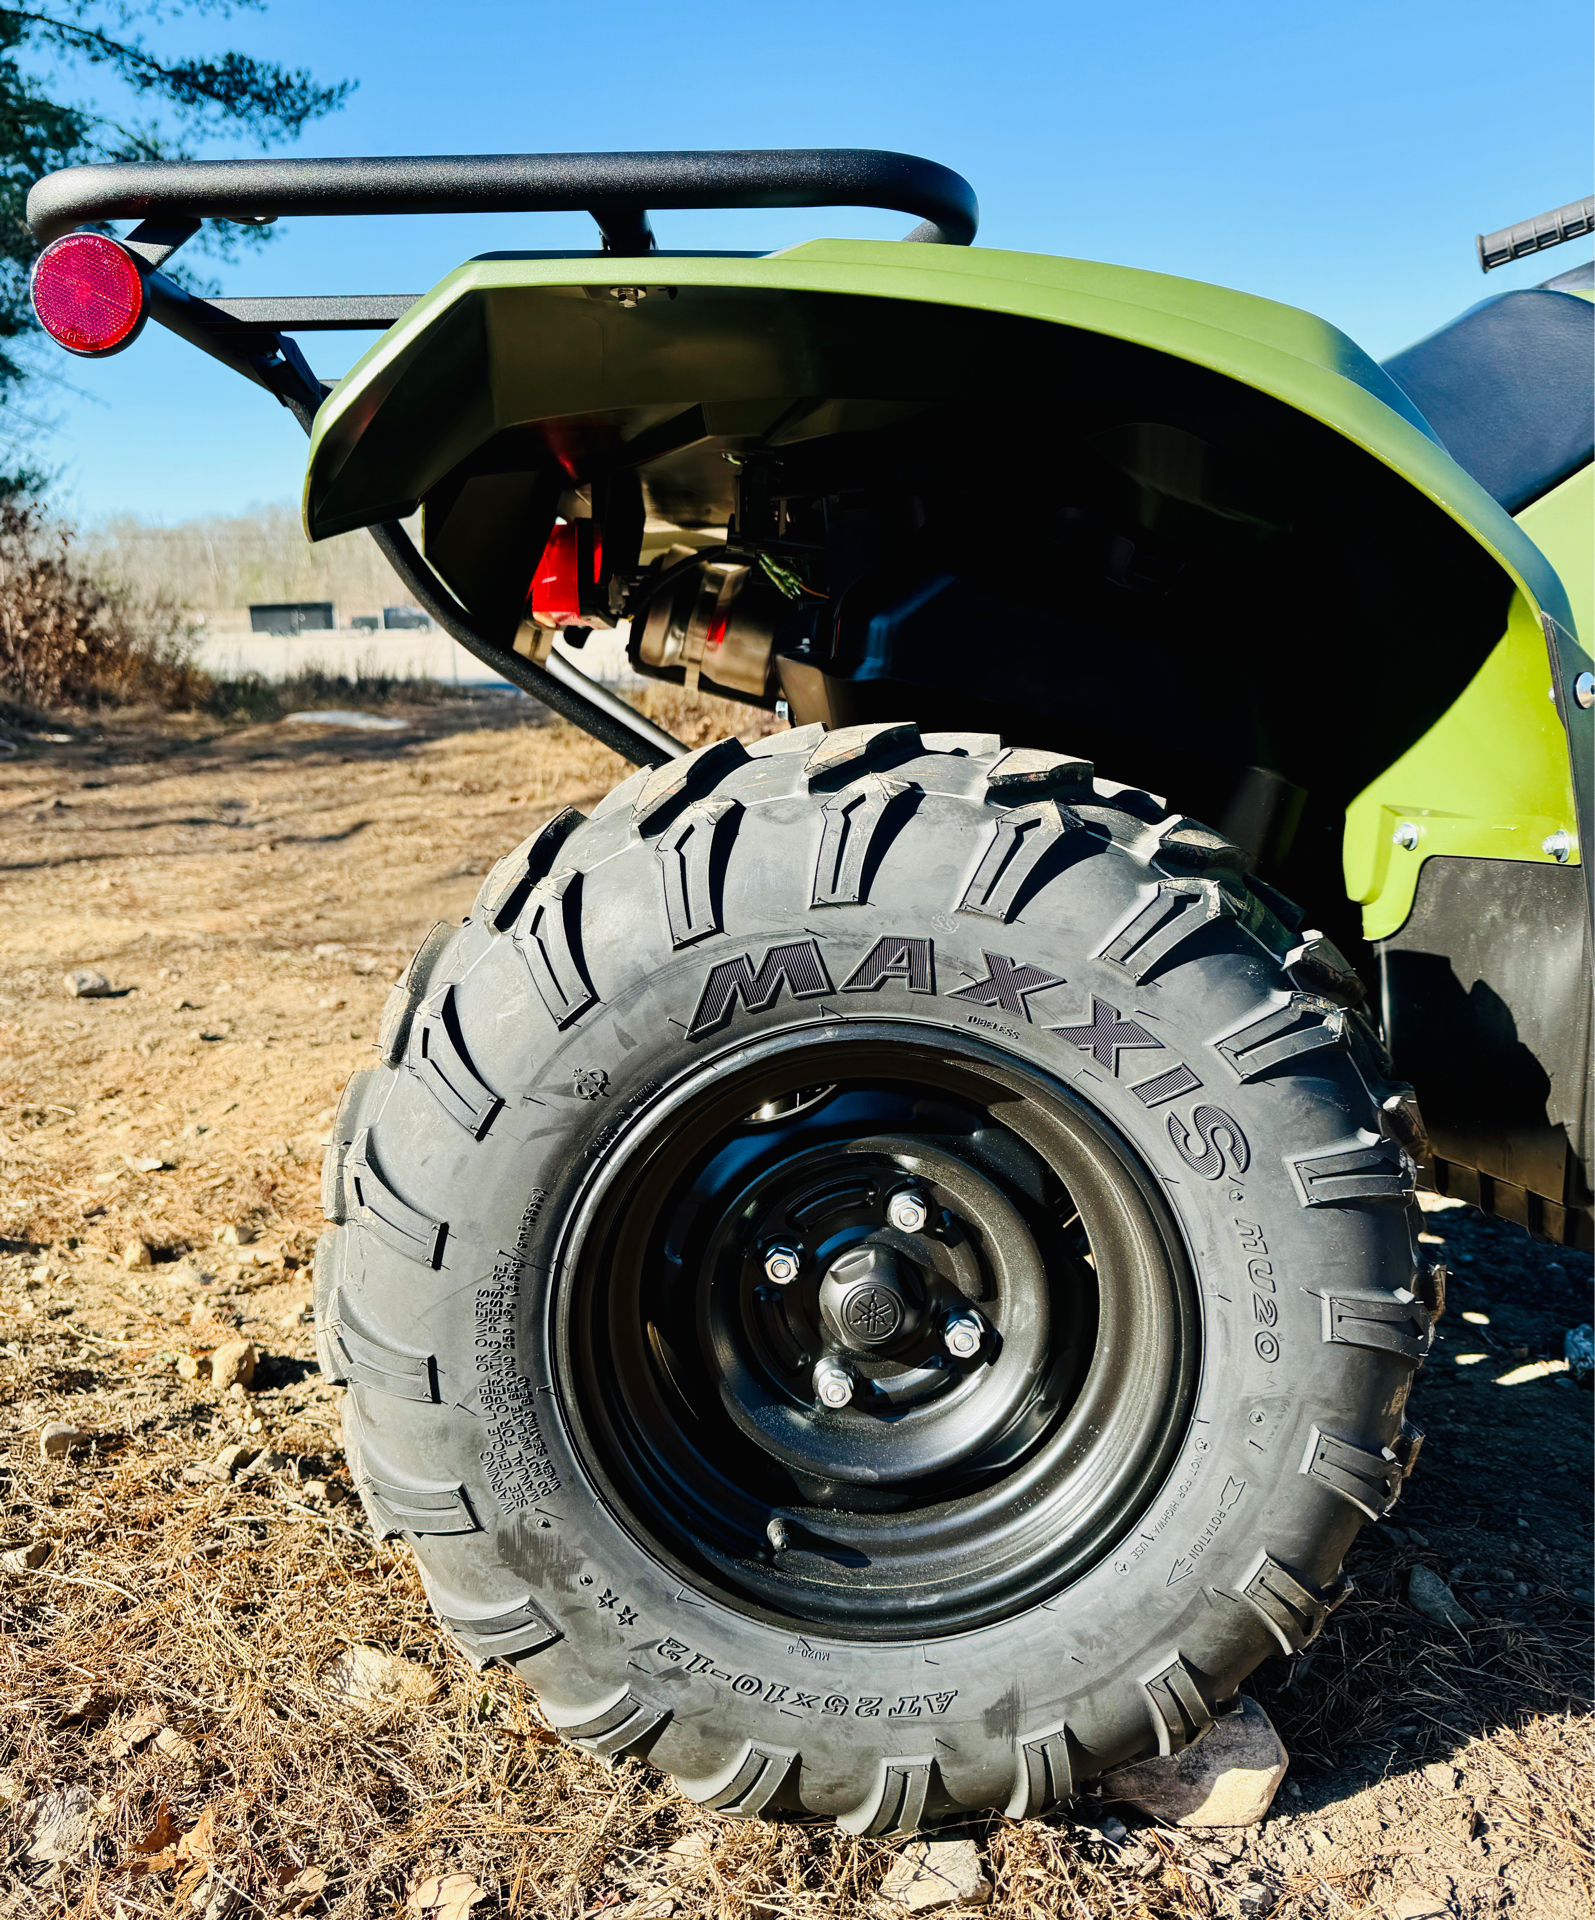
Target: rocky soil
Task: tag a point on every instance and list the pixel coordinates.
(217, 1697)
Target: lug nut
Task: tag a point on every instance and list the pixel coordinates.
(963, 1334)
(833, 1384)
(781, 1264)
(908, 1211)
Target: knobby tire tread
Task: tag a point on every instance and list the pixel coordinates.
(1028, 827)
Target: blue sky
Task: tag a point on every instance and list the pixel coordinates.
(1338, 158)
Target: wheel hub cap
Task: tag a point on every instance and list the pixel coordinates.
(870, 1299)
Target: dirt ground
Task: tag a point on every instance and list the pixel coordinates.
(171, 1740)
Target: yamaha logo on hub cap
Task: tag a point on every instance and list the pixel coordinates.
(872, 1313)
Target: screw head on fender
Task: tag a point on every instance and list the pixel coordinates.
(781, 1264)
(833, 1384)
(963, 1334)
(908, 1211)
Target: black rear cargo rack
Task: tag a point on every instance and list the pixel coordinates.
(617, 189)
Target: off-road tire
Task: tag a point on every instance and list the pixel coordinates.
(1005, 918)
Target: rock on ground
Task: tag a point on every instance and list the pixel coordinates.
(367, 1677)
(446, 1896)
(1429, 1595)
(930, 1874)
(86, 983)
(57, 1440)
(63, 1827)
(138, 1253)
(1228, 1778)
(233, 1363)
(186, 1273)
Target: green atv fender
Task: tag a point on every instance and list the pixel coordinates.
(1474, 717)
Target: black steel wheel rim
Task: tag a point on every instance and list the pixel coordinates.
(951, 1488)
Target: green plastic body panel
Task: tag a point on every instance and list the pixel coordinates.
(507, 339)
(1492, 780)
(1561, 524)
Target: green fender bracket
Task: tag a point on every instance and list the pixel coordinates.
(1493, 779)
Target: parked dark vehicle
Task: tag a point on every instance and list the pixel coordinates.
(293, 616)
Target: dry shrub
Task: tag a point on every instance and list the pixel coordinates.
(67, 637)
(253, 699)
(694, 719)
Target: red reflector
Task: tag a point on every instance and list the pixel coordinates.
(87, 293)
(556, 599)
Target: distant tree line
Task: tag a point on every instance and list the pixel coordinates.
(224, 562)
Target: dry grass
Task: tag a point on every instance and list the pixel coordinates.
(254, 699)
(166, 1661)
